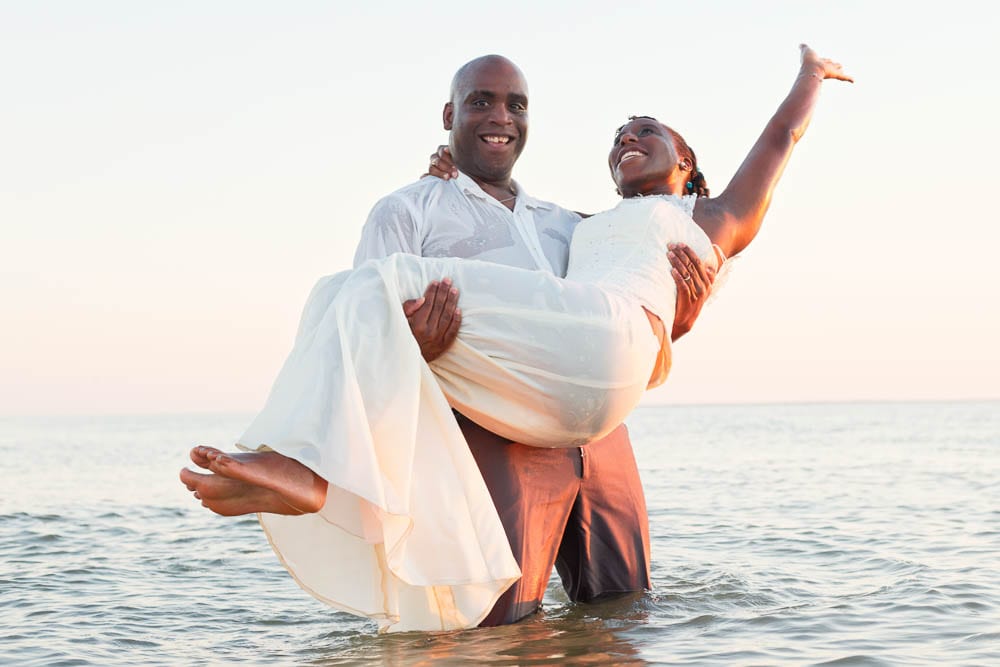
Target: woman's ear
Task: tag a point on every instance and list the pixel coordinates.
(684, 164)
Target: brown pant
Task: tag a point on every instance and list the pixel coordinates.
(580, 509)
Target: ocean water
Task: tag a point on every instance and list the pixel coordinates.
(846, 534)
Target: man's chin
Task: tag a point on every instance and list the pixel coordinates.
(494, 169)
(490, 172)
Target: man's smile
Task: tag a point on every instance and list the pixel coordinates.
(496, 139)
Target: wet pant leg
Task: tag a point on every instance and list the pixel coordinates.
(533, 489)
(580, 509)
(605, 545)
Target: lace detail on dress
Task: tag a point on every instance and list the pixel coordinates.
(687, 203)
(684, 202)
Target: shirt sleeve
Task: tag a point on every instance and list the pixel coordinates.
(392, 226)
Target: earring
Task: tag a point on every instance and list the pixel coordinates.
(689, 185)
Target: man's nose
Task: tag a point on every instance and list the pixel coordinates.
(501, 115)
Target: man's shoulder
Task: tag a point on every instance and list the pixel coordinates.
(410, 202)
(397, 222)
(417, 192)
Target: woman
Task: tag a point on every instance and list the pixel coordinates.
(364, 462)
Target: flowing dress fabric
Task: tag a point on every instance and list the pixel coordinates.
(409, 535)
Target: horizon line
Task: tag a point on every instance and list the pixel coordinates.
(648, 406)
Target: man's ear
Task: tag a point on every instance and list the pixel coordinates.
(448, 115)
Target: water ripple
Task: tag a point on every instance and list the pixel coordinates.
(781, 535)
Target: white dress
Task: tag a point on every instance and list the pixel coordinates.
(409, 535)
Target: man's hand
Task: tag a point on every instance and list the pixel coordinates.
(694, 284)
(441, 164)
(434, 318)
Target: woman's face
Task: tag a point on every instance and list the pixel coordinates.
(643, 160)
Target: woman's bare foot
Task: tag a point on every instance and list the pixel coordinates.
(199, 456)
(297, 485)
(232, 497)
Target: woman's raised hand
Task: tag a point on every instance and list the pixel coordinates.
(824, 68)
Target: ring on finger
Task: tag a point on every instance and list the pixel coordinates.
(687, 278)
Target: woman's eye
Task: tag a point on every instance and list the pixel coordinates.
(644, 131)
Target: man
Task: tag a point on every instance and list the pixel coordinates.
(580, 509)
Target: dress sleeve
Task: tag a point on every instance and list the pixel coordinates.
(392, 226)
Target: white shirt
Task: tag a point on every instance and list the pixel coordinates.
(456, 218)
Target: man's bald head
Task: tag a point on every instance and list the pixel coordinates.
(466, 74)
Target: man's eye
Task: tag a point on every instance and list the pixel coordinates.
(518, 108)
(480, 104)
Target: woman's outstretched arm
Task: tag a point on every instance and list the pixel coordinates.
(733, 218)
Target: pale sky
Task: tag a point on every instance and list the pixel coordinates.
(175, 176)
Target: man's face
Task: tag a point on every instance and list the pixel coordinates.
(488, 121)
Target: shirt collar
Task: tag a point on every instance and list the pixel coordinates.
(471, 188)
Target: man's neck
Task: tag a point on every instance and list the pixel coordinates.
(502, 190)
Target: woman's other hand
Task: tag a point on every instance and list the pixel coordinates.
(694, 284)
(441, 164)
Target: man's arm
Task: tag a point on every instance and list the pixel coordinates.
(434, 318)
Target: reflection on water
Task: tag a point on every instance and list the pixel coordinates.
(583, 635)
(839, 534)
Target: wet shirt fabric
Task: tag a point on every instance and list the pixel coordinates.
(456, 218)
